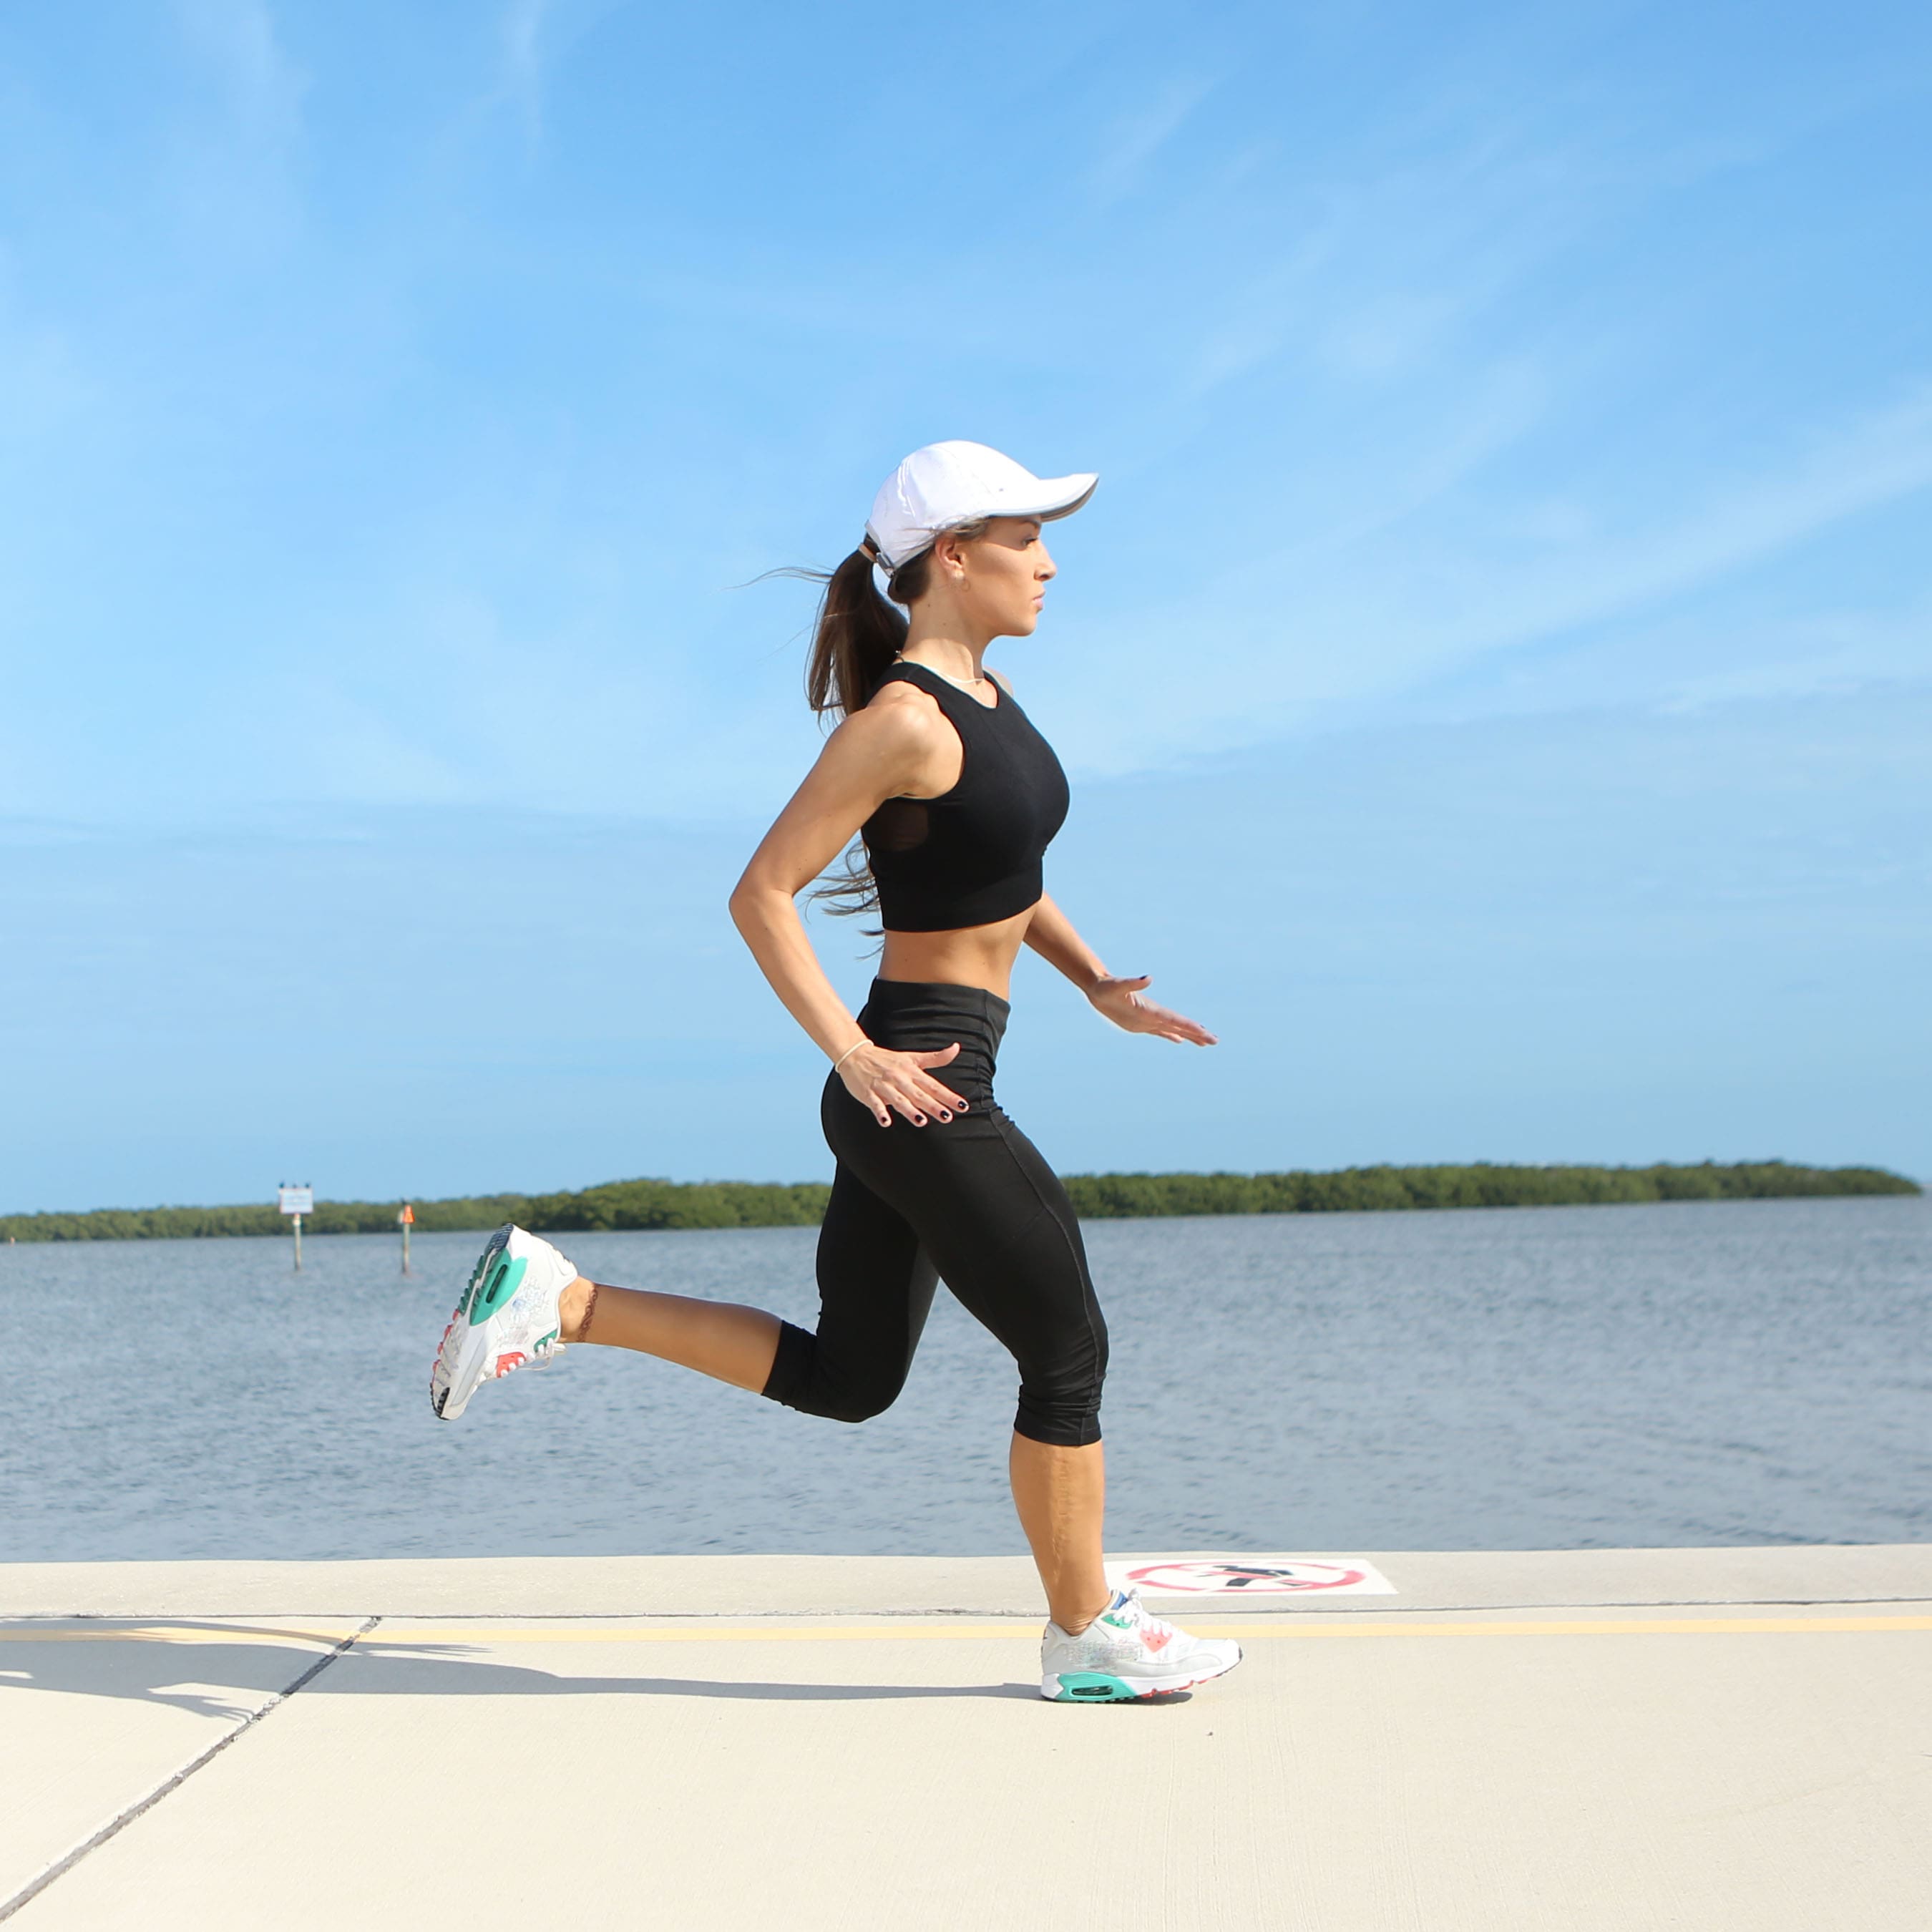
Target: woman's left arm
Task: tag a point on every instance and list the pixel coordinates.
(1051, 934)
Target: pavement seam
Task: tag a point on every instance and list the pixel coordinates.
(34, 1888)
(1303, 1607)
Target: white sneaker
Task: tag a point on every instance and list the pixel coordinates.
(507, 1319)
(1128, 1652)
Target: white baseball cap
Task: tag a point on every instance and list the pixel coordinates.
(948, 483)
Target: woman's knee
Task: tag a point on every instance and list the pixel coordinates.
(857, 1404)
(802, 1379)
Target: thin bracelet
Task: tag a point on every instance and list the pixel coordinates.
(861, 1041)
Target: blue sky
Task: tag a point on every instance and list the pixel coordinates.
(1496, 669)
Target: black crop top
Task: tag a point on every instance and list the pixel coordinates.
(971, 855)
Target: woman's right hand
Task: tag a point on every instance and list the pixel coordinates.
(877, 1077)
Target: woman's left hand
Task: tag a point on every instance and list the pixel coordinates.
(1123, 1002)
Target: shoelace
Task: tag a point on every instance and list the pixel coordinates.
(1144, 1619)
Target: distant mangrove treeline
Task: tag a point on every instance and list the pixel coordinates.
(742, 1204)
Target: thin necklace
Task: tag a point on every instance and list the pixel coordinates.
(900, 657)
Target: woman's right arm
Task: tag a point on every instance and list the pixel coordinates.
(876, 754)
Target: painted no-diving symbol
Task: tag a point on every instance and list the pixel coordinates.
(1235, 1579)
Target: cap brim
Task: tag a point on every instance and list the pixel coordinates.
(1056, 496)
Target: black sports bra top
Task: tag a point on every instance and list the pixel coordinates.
(971, 855)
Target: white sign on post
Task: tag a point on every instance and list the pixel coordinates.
(296, 1200)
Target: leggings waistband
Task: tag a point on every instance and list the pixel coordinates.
(928, 1015)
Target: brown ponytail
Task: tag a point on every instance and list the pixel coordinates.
(857, 635)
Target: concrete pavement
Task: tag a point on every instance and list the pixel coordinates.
(1707, 1739)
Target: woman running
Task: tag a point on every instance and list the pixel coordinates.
(956, 797)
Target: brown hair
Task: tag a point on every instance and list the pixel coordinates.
(856, 637)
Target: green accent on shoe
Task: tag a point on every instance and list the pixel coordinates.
(476, 1274)
(503, 1282)
(1119, 1623)
(555, 1335)
(1092, 1687)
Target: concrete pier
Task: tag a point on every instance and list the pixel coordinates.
(1717, 1740)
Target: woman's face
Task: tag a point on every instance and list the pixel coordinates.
(1000, 579)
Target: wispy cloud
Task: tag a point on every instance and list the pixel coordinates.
(533, 37)
(238, 40)
(1383, 263)
(1876, 459)
(230, 174)
(1859, 464)
(1122, 164)
(1373, 612)
(521, 36)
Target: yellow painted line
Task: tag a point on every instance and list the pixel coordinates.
(1602, 1627)
(390, 1639)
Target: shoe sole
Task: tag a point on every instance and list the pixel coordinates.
(1102, 1686)
(472, 1350)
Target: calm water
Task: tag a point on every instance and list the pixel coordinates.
(1689, 1373)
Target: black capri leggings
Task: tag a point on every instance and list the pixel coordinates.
(968, 1201)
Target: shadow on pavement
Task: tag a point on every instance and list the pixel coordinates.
(195, 1667)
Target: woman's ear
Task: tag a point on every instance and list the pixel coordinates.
(949, 553)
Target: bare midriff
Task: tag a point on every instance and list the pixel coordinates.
(968, 956)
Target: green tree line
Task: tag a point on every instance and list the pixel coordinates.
(745, 1204)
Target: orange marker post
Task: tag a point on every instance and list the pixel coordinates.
(406, 1220)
